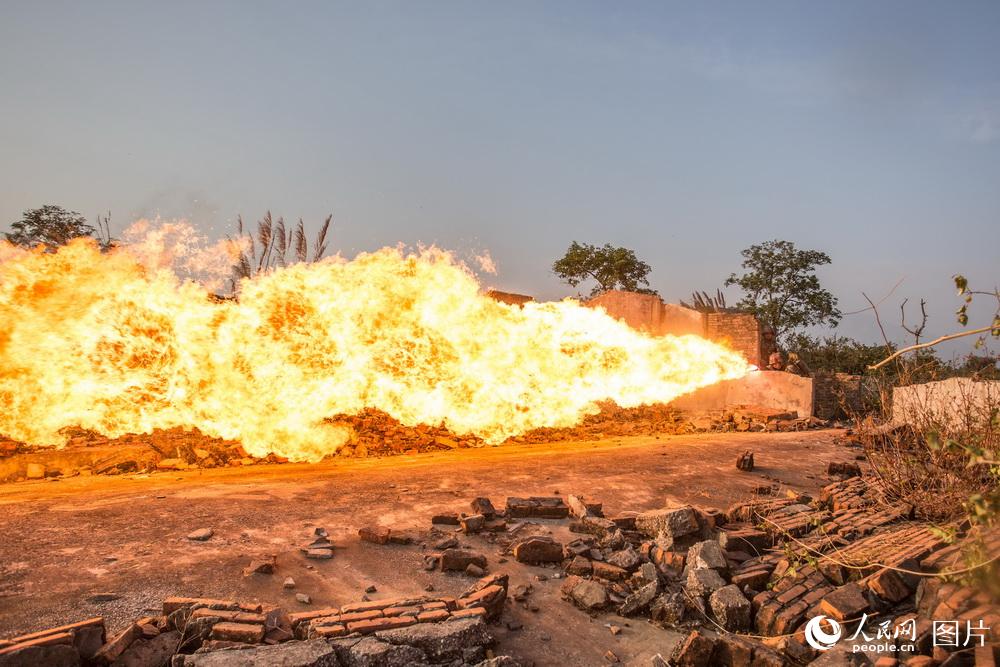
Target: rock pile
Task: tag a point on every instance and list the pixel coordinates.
(196, 632)
(746, 581)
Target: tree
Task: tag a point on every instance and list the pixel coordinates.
(610, 267)
(780, 287)
(50, 226)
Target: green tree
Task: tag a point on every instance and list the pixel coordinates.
(50, 226)
(780, 287)
(609, 267)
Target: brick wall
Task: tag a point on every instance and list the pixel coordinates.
(837, 394)
(740, 331)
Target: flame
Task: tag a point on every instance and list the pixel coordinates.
(118, 343)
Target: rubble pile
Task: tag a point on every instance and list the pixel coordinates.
(745, 582)
(195, 632)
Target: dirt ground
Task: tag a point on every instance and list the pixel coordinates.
(116, 546)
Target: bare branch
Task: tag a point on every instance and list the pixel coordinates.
(936, 341)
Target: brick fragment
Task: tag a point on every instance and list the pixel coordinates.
(847, 602)
(379, 624)
(247, 633)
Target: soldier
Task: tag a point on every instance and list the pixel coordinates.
(776, 362)
(797, 366)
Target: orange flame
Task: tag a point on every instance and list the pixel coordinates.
(117, 343)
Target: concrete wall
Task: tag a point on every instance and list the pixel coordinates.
(955, 403)
(767, 389)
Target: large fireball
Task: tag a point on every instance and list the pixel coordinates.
(118, 344)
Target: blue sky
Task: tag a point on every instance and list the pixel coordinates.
(686, 131)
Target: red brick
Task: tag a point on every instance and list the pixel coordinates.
(433, 616)
(437, 604)
(335, 630)
(248, 633)
(378, 624)
(469, 612)
(228, 615)
(401, 611)
(361, 616)
(367, 606)
(480, 597)
(298, 617)
(889, 586)
(847, 602)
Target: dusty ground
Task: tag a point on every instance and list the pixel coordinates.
(64, 542)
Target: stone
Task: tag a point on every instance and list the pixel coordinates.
(534, 550)
(35, 471)
(445, 519)
(537, 507)
(262, 565)
(586, 594)
(646, 573)
(311, 653)
(639, 600)
(319, 554)
(201, 534)
(706, 555)
(457, 560)
(668, 608)
(627, 558)
(51, 655)
(744, 461)
(441, 642)
(608, 571)
(702, 582)
(730, 608)
(446, 543)
(374, 534)
(303, 598)
(671, 522)
(484, 507)
(155, 651)
(580, 508)
(694, 651)
(474, 570)
(579, 566)
(472, 524)
(288, 583)
(846, 602)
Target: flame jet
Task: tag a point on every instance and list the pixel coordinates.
(116, 344)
